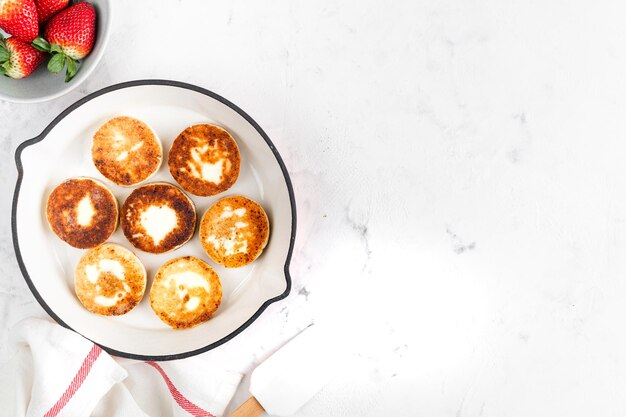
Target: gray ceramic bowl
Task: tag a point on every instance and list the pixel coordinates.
(43, 85)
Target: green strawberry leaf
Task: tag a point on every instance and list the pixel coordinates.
(71, 69)
(55, 48)
(41, 44)
(57, 62)
(4, 54)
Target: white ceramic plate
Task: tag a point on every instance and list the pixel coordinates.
(63, 151)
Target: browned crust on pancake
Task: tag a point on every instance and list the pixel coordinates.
(158, 194)
(180, 157)
(167, 304)
(256, 232)
(62, 217)
(140, 164)
(108, 285)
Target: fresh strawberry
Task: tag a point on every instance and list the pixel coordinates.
(18, 59)
(74, 30)
(69, 36)
(48, 8)
(19, 18)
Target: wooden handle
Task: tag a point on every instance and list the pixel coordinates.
(250, 408)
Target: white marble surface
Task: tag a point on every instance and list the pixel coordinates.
(459, 174)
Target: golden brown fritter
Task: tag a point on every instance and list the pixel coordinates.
(126, 151)
(185, 292)
(158, 218)
(204, 160)
(109, 280)
(234, 231)
(82, 212)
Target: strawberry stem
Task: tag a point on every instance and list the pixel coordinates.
(71, 69)
(4, 53)
(56, 63)
(5, 57)
(41, 44)
(58, 60)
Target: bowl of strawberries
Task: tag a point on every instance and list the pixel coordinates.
(49, 47)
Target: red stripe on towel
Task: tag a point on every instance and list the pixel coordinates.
(184, 403)
(78, 380)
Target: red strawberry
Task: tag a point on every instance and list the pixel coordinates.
(74, 30)
(19, 18)
(18, 59)
(69, 36)
(48, 8)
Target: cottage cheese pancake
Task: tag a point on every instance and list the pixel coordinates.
(234, 231)
(158, 218)
(204, 160)
(126, 151)
(185, 292)
(82, 212)
(109, 280)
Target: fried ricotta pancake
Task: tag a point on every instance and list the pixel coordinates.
(82, 212)
(234, 231)
(126, 151)
(204, 160)
(158, 218)
(185, 292)
(109, 280)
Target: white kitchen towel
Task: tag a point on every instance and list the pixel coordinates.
(53, 371)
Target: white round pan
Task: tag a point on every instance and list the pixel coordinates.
(63, 151)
